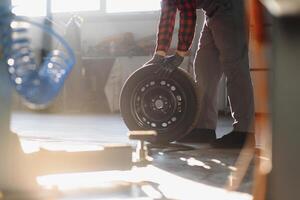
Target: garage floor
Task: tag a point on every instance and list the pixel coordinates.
(180, 171)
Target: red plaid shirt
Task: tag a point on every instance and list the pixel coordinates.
(187, 9)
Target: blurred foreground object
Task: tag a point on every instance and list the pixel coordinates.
(285, 97)
(283, 8)
(38, 85)
(277, 163)
(38, 82)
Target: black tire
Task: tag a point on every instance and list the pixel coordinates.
(137, 117)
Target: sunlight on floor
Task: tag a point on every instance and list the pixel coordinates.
(168, 184)
(30, 146)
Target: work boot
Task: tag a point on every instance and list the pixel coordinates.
(235, 140)
(198, 135)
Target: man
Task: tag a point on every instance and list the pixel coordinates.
(223, 49)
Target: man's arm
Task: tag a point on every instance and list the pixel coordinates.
(187, 26)
(186, 33)
(165, 31)
(166, 26)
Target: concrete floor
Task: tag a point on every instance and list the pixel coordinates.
(179, 171)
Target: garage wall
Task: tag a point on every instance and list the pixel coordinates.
(93, 31)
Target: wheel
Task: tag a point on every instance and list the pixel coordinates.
(168, 106)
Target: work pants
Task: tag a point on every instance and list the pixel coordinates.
(223, 49)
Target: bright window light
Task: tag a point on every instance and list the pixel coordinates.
(75, 6)
(114, 6)
(29, 7)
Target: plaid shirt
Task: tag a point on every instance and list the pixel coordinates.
(187, 9)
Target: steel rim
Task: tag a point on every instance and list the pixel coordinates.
(159, 104)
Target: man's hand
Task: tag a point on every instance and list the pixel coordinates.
(170, 64)
(156, 59)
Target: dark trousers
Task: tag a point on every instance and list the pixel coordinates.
(223, 49)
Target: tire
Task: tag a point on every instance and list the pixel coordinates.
(168, 106)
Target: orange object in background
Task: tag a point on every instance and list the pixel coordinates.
(260, 75)
(259, 72)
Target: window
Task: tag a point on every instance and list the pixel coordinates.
(29, 7)
(75, 5)
(114, 6)
(38, 7)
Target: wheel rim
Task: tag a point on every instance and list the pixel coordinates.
(158, 104)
